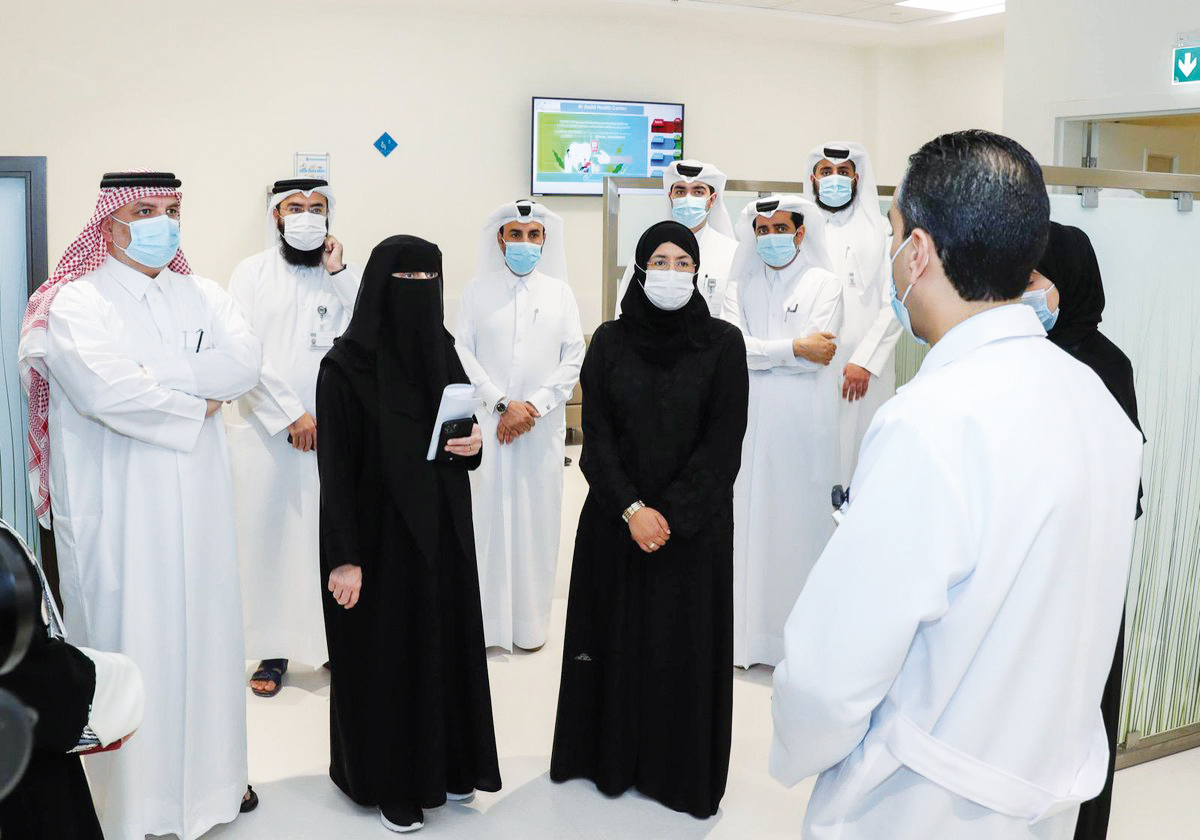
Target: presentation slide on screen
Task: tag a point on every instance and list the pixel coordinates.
(577, 142)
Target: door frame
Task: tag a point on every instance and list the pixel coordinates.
(33, 171)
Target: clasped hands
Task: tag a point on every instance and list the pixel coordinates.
(649, 529)
(517, 419)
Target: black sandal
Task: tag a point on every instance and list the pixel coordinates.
(250, 802)
(269, 670)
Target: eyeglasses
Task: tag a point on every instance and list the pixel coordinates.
(664, 264)
(289, 210)
(415, 275)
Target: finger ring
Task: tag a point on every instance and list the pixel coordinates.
(652, 545)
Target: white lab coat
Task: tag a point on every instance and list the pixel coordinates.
(297, 313)
(519, 338)
(781, 508)
(859, 251)
(143, 521)
(716, 257)
(952, 643)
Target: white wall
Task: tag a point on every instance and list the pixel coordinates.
(1073, 58)
(921, 92)
(1125, 145)
(223, 93)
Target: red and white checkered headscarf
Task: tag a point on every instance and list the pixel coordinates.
(82, 256)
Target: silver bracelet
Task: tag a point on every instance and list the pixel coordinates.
(632, 509)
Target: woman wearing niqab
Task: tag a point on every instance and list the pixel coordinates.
(410, 706)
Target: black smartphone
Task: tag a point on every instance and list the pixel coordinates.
(451, 430)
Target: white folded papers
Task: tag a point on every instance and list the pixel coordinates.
(458, 403)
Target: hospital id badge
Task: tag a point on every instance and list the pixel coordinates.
(320, 340)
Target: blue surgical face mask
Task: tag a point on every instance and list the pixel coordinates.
(153, 242)
(689, 210)
(898, 303)
(835, 190)
(1037, 299)
(777, 249)
(522, 257)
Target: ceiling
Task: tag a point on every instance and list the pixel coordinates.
(853, 11)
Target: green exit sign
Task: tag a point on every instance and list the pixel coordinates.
(1186, 65)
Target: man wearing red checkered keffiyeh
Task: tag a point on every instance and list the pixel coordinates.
(127, 357)
(82, 256)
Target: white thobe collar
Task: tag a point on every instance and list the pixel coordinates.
(840, 218)
(132, 280)
(794, 269)
(514, 280)
(1012, 321)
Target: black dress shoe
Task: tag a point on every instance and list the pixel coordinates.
(250, 802)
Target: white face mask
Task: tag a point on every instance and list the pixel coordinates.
(305, 231)
(668, 290)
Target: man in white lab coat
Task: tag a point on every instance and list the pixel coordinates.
(521, 344)
(945, 662)
(298, 296)
(842, 182)
(787, 302)
(696, 191)
(127, 357)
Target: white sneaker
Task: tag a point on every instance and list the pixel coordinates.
(464, 798)
(402, 820)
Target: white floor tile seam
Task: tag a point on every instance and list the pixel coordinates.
(289, 756)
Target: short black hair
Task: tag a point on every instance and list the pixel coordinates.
(982, 198)
(797, 219)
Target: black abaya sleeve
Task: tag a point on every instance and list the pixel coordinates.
(57, 681)
(601, 459)
(340, 465)
(705, 483)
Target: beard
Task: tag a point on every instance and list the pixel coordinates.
(296, 257)
(846, 206)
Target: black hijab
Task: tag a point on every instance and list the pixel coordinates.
(1069, 262)
(399, 358)
(660, 335)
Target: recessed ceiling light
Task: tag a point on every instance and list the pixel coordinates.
(950, 5)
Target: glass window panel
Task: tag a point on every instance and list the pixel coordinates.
(15, 504)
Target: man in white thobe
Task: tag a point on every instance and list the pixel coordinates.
(945, 662)
(842, 183)
(788, 304)
(298, 297)
(135, 355)
(521, 344)
(696, 192)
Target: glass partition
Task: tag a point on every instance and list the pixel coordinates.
(1149, 254)
(15, 504)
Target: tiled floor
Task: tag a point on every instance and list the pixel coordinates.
(289, 757)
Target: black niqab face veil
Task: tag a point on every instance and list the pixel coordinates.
(399, 359)
(396, 346)
(658, 333)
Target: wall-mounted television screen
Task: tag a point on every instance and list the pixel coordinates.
(578, 142)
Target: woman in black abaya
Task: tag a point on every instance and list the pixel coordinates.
(410, 708)
(1070, 265)
(646, 696)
